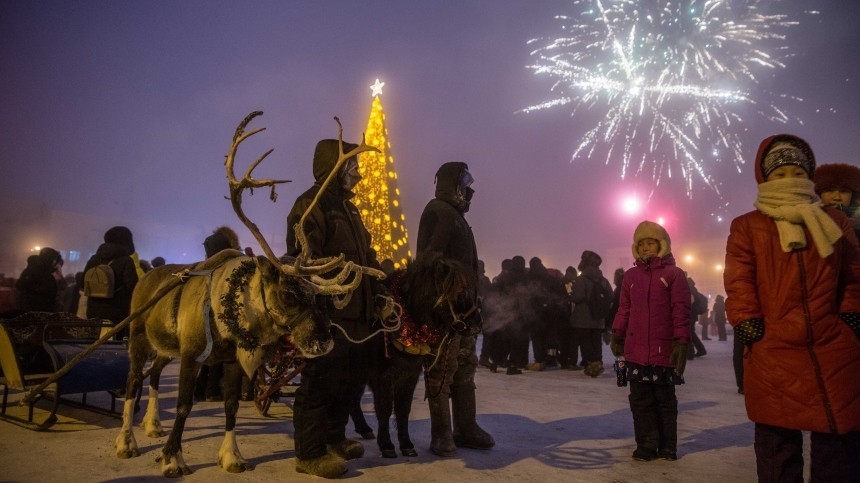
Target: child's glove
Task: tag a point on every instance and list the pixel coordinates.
(853, 321)
(616, 345)
(750, 331)
(679, 356)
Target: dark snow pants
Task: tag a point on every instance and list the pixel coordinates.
(779, 456)
(655, 417)
(328, 392)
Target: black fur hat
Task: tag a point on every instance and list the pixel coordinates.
(838, 175)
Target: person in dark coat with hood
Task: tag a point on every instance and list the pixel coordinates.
(444, 232)
(37, 285)
(331, 384)
(116, 251)
(587, 329)
(838, 185)
(207, 387)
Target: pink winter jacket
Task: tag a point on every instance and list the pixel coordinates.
(654, 310)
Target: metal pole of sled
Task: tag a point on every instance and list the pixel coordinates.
(31, 396)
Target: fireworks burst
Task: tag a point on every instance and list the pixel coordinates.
(670, 79)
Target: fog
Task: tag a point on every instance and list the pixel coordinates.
(122, 112)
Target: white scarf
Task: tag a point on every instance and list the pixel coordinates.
(792, 203)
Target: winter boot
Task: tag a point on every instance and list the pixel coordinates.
(594, 368)
(326, 466)
(347, 449)
(441, 439)
(467, 433)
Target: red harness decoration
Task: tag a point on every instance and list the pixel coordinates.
(412, 333)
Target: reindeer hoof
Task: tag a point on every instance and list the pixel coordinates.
(239, 467)
(127, 453)
(176, 472)
(156, 433)
(173, 467)
(389, 453)
(126, 447)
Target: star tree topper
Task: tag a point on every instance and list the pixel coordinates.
(376, 88)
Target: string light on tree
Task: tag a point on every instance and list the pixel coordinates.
(377, 195)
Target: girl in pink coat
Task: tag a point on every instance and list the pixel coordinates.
(651, 330)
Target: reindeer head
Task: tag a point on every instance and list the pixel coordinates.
(297, 282)
(437, 291)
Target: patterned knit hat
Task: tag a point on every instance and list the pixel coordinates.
(788, 150)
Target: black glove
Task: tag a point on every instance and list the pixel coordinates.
(750, 331)
(679, 356)
(853, 321)
(616, 345)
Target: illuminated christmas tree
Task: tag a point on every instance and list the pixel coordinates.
(377, 196)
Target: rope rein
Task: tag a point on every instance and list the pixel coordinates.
(389, 324)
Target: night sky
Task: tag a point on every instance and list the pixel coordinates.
(127, 108)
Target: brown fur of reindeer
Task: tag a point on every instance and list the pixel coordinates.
(252, 303)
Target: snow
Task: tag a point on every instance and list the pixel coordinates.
(548, 425)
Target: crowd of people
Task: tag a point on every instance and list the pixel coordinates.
(792, 282)
(556, 316)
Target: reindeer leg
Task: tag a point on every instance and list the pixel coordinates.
(138, 350)
(404, 390)
(172, 463)
(229, 457)
(380, 385)
(151, 420)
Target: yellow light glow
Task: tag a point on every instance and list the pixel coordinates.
(377, 193)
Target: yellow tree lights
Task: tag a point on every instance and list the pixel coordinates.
(377, 196)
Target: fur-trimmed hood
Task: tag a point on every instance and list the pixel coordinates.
(222, 238)
(649, 229)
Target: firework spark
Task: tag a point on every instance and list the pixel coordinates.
(670, 79)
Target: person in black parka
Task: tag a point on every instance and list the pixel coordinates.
(332, 384)
(444, 232)
(116, 250)
(37, 285)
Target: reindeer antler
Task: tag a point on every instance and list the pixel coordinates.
(248, 182)
(304, 266)
(341, 159)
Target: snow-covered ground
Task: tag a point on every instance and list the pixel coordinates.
(549, 425)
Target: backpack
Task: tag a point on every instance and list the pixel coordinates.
(99, 281)
(700, 304)
(599, 301)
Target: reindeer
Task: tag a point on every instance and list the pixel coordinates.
(432, 295)
(228, 308)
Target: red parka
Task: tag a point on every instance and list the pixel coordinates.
(805, 372)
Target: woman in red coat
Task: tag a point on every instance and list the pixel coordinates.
(793, 282)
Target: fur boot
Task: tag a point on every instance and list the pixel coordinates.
(347, 449)
(326, 466)
(441, 439)
(467, 433)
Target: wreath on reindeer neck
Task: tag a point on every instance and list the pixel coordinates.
(236, 282)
